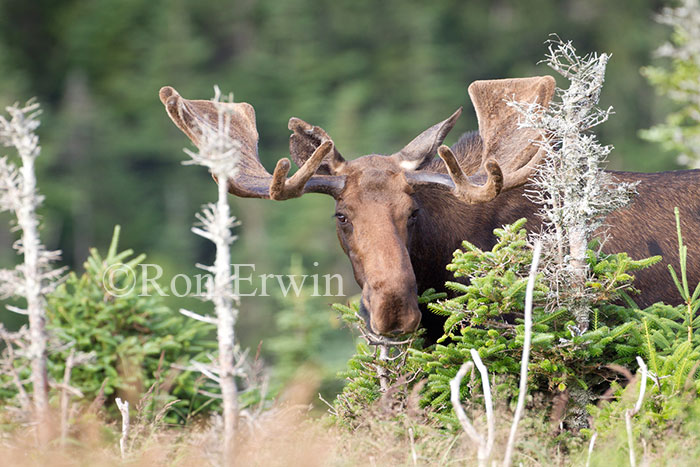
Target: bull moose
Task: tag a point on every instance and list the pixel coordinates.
(399, 217)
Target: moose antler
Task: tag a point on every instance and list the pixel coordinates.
(508, 156)
(198, 118)
(305, 139)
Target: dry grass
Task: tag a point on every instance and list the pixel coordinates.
(292, 434)
(288, 434)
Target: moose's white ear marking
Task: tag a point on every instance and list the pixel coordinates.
(410, 165)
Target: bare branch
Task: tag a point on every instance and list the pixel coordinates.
(9, 365)
(629, 413)
(32, 279)
(526, 354)
(198, 317)
(570, 185)
(414, 456)
(485, 446)
(65, 397)
(124, 409)
(590, 448)
(207, 370)
(382, 372)
(457, 404)
(221, 153)
(72, 361)
(642, 389)
(209, 394)
(488, 403)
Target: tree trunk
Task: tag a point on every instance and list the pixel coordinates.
(28, 223)
(223, 302)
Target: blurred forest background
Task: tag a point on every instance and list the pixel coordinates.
(373, 74)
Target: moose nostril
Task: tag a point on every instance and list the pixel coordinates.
(415, 322)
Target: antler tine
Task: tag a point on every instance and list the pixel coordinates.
(514, 177)
(465, 188)
(251, 179)
(509, 154)
(282, 188)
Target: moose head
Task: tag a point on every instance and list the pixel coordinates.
(387, 206)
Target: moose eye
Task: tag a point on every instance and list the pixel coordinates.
(342, 218)
(413, 215)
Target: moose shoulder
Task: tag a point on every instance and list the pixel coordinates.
(399, 217)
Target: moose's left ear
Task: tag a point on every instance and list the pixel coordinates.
(304, 141)
(419, 152)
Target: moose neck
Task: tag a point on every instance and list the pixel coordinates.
(445, 222)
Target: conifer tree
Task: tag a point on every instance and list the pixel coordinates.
(35, 277)
(573, 190)
(219, 152)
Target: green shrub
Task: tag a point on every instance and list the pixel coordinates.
(671, 349)
(132, 336)
(676, 78)
(486, 314)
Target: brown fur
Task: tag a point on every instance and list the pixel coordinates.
(378, 204)
(645, 228)
(401, 217)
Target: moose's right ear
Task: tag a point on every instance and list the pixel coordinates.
(303, 142)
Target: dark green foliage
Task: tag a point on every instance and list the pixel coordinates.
(129, 335)
(671, 349)
(97, 65)
(675, 78)
(362, 387)
(486, 314)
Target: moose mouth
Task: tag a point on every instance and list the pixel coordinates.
(364, 314)
(505, 159)
(379, 339)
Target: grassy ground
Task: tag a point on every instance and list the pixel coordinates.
(291, 434)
